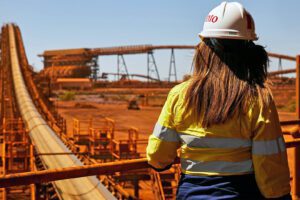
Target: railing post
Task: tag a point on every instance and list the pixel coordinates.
(296, 150)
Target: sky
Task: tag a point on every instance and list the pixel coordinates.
(63, 24)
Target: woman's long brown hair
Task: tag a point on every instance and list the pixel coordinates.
(228, 76)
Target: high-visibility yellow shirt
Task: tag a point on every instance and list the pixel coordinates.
(244, 144)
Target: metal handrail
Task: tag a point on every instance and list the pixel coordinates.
(87, 170)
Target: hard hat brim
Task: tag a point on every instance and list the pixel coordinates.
(225, 34)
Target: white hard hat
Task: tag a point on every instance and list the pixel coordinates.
(229, 21)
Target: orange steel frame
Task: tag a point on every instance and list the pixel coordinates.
(100, 139)
(16, 149)
(80, 132)
(296, 149)
(296, 165)
(161, 190)
(126, 149)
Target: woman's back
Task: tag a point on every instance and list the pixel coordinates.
(225, 122)
(245, 144)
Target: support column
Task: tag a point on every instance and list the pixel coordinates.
(136, 187)
(172, 66)
(94, 68)
(296, 150)
(32, 186)
(280, 66)
(122, 67)
(151, 66)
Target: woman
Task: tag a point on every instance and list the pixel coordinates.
(224, 118)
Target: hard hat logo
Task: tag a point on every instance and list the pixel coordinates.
(211, 18)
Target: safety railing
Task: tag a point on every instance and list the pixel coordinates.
(295, 131)
(87, 170)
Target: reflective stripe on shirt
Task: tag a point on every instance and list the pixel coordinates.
(268, 147)
(216, 154)
(205, 142)
(165, 133)
(216, 167)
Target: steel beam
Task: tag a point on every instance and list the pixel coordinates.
(286, 71)
(285, 57)
(72, 172)
(296, 150)
(133, 49)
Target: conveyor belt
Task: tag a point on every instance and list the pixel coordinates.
(46, 141)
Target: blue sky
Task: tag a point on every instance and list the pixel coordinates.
(56, 24)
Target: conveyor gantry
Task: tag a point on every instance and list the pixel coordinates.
(46, 141)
